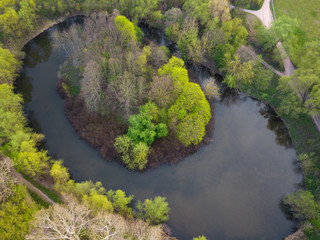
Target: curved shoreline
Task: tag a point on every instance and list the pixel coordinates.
(67, 17)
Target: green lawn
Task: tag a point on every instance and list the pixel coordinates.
(306, 11)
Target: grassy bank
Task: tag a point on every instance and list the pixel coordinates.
(302, 130)
(307, 12)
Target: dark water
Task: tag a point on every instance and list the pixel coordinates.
(229, 189)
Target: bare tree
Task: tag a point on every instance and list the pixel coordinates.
(6, 180)
(211, 89)
(220, 9)
(125, 90)
(91, 85)
(69, 221)
(108, 226)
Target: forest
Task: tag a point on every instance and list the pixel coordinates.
(145, 94)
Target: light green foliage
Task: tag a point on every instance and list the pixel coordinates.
(291, 105)
(121, 202)
(143, 9)
(176, 70)
(308, 162)
(238, 72)
(17, 17)
(262, 77)
(29, 160)
(15, 215)
(123, 146)
(142, 59)
(11, 117)
(304, 204)
(200, 238)
(8, 66)
(198, 9)
(235, 34)
(59, 173)
(190, 114)
(143, 127)
(305, 82)
(285, 28)
(154, 211)
(18, 141)
(139, 156)
(135, 156)
(126, 28)
(92, 193)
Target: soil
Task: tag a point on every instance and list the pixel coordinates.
(101, 131)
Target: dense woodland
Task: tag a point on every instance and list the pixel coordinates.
(162, 100)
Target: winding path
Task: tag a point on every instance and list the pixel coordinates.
(31, 187)
(266, 17)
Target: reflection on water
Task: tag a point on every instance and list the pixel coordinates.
(229, 189)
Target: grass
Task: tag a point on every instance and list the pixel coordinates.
(35, 197)
(306, 11)
(51, 194)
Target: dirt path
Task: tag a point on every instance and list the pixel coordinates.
(31, 187)
(266, 17)
(254, 55)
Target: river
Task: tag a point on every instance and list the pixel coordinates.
(229, 189)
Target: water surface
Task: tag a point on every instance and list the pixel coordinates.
(229, 189)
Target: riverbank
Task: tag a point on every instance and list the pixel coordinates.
(100, 132)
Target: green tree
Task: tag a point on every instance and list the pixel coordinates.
(190, 114)
(200, 238)
(126, 28)
(154, 211)
(176, 70)
(8, 66)
(142, 126)
(15, 214)
(198, 9)
(59, 173)
(139, 156)
(304, 204)
(11, 116)
(121, 202)
(238, 72)
(30, 160)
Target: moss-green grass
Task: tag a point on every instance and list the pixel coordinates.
(38, 200)
(51, 194)
(306, 11)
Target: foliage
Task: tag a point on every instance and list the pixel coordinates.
(190, 114)
(262, 77)
(126, 28)
(200, 238)
(134, 156)
(18, 141)
(238, 72)
(142, 126)
(8, 66)
(15, 214)
(121, 202)
(198, 10)
(154, 211)
(59, 173)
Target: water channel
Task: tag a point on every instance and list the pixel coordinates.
(229, 189)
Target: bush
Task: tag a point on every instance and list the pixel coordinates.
(154, 211)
